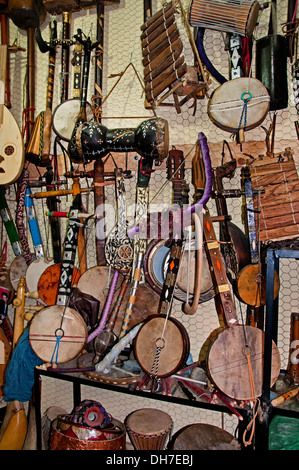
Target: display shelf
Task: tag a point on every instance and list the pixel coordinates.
(78, 379)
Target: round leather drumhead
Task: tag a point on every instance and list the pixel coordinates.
(200, 436)
(228, 365)
(148, 421)
(173, 339)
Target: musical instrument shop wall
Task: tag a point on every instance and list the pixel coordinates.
(220, 115)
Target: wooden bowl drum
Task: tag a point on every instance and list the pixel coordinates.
(231, 16)
(73, 437)
(148, 428)
(226, 104)
(175, 345)
(200, 436)
(51, 323)
(228, 365)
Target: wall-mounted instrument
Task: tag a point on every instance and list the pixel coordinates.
(12, 152)
(165, 70)
(66, 114)
(251, 280)
(92, 140)
(118, 246)
(27, 13)
(38, 149)
(239, 105)
(9, 225)
(58, 333)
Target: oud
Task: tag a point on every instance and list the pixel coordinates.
(38, 149)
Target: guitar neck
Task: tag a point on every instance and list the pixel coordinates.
(5, 41)
(3, 65)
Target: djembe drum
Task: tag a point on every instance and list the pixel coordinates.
(148, 429)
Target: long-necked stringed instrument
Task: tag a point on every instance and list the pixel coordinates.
(38, 149)
(58, 333)
(12, 153)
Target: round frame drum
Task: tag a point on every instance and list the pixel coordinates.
(200, 436)
(148, 428)
(56, 322)
(226, 104)
(174, 345)
(228, 365)
(87, 438)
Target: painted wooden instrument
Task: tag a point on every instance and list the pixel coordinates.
(237, 16)
(52, 204)
(149, 429)
(251, 280)
(12, 153)
(38, 149)
(162, 343)
(92, 140)
(58, 333)
(118, 246)
(29, 112)
(239, 105)
(33, 224)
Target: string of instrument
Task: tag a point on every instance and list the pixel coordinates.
(121, 306)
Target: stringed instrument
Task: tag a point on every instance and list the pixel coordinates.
(58, 333)
(236, 250)
(251, 280)
(66, 113)
(118, 246)
(12, 152)
(38, 149)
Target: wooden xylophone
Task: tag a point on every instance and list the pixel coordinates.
(276, 186)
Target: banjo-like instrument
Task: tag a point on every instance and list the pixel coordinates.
(58, 333)
(12, 151)
(66, 113)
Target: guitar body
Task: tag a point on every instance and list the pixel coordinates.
(248, 288)
(12, 152)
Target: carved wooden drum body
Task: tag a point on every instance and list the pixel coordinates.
(148, 428)
(167, 334)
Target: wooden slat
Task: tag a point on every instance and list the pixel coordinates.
(157, 15)
(165, 46)
(272, 168)
(274, 178)
(281, 233)
(279, 209)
